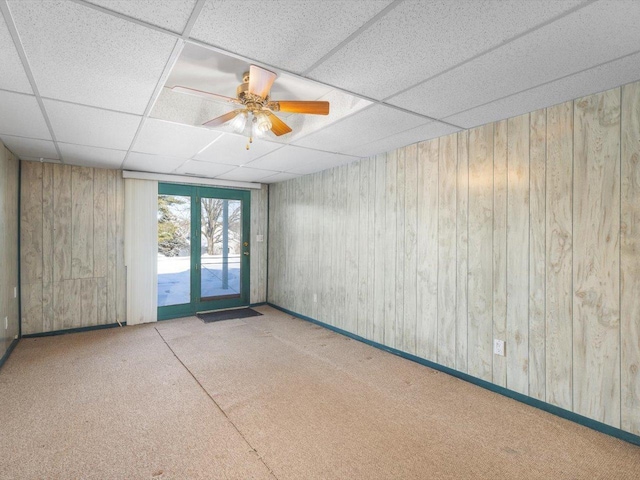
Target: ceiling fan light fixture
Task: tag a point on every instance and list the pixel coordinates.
(262, 124)
(239, 122)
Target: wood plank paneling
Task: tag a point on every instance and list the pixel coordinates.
(82, 222)
(462, 250)
(78, 212)
(630, 260)
(400, 235)
(363, 242)
(370, 248)
(518, 255)
(500, 139)
(352, 245)
(390, 250)
(427, 251)
(48, 240)
(480, 292)
(379, 239)
(596, 267)
(62, 222)
(559, 245)
(410, 243)
(446, 268)
(537, 253)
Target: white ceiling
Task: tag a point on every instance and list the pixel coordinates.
(86, 81)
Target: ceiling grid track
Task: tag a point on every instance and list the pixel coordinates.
(13, 31)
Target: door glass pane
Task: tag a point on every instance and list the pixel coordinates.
(221, 247)
(174, 250)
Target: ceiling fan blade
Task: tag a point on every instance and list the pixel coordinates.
(215, 122)
(260, 81)
(203, 94)
(296, 106)
(278, 127)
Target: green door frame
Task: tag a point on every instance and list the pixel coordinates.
(196, 193)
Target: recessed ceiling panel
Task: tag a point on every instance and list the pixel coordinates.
(418, 39)
(542, 56)
(81, 55)
(291, 157)
(246, 174)
(286, 34)
(170, 14)
(94, 127)
(597, 79)
(364, 127)
(231, 149)
(91, 156)
(13, 76)
(173, 139)
(30, 147)
(418, 134)
(20, 115)
(146, 162)
(334, 160)
(279, 177)
(203, 169)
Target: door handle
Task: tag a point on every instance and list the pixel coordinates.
(246, 253)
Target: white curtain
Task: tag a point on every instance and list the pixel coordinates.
(141, 250)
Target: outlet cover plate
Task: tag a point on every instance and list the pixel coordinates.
(498, 347)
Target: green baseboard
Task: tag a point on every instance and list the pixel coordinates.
(8, 352)
(533, 402)
(74, 330)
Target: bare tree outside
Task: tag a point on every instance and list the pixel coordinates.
(212, 213)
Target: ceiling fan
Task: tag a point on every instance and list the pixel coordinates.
(253, 96)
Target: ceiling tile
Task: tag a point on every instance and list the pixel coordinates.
(246, 174)
(364, 127)
(542, 56)
(291, 157)
(288, 35)
(91, 156)
(30, 147)
(169, 14)
(146, 162)
(91, 126)
(204, 169)
(13, 76)
(334, 160)
(173, 139)
(418, 134)
(597, 79)
(231, 149)
(21, 115)
(417, 40)
(81, 55)
(279, 177)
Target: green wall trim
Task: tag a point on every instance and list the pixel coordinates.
(259, 304)
(533, 402)
(74, 330)
(8, 352)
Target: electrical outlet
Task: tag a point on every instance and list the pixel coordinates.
(6, 322)
(15, 292)
(315, 298)
(259, 238)
(498, 347)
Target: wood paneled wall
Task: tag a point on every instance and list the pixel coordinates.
(72, 247)
(9, 179)
(525, 230)
(258, 258)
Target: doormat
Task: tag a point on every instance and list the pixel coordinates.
(228, 315)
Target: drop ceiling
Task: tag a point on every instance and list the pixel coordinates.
(87, 82)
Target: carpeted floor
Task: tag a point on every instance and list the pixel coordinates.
(270, 397)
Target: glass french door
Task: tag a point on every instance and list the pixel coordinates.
(203, 249)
